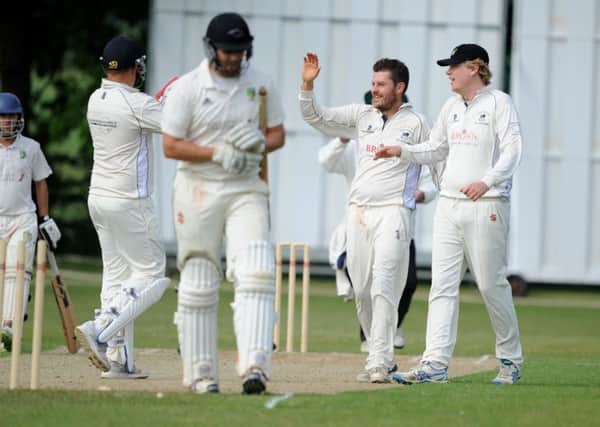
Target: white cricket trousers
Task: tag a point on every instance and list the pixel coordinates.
(129, 240)
(378, 251)
(205, 211)
(474, 235)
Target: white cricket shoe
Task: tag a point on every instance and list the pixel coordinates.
(255, 382)
(509, 373)
(205, 385)
(425, 372)
(379, 375)
(399, 338)
(119, 371)
(365, 376)
(86, 335)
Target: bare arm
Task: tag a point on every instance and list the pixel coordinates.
(183, 149)
(275, 138)
(41, 195)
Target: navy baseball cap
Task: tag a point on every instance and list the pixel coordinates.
(121, 53)
(465, 52)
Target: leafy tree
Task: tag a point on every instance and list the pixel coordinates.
(58, 44)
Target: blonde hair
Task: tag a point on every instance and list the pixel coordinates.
(484, 70)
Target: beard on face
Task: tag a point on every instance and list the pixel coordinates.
(386, 102)
(230, 68)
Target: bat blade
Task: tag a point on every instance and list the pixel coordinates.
(65, 306)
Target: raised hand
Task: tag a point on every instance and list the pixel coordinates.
(310, 69)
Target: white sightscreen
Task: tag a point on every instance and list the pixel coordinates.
(348, 35)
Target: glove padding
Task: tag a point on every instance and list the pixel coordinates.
(235, 160)
(50, 232)
(246, 137)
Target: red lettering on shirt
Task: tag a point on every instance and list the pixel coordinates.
(371, 148)
(463, 136)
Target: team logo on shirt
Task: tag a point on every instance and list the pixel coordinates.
(483, 118)
(454, 118)
(22, 154)
(405, 135)
(251, 93)
(368, 129)
(493, 217)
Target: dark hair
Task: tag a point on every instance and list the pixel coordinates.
(398, 70)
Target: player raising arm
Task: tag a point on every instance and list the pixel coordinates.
(381, 199)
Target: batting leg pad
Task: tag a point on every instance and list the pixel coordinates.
(196, 319)
(10, 285)
(254, 307)
(138, 298)
(120, 352)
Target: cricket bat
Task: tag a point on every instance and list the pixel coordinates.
(64, 304)
(262, 124)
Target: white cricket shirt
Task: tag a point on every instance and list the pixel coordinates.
(381, 182)
(339, 158)
(480, 141)
(20, 163)
(121, 119)
(202, 108)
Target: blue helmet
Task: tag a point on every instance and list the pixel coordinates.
(10, 104)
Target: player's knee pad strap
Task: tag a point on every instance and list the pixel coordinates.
(199, 286)
(138, 301)
(255, 268)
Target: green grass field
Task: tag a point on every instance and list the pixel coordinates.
(560, 384)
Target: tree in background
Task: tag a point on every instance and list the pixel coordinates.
(49, 57)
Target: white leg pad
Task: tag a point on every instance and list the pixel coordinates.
(10, 284)
(138, 298)
(8, 311)
(254, 307)
(196, 319)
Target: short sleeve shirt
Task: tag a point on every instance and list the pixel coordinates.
(203, 109)
(20, 163)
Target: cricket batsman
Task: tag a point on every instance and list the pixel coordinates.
(210, 125)
(21, 163)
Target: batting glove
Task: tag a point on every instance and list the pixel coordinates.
(246, 137)
(50, 232)
(236, 161)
